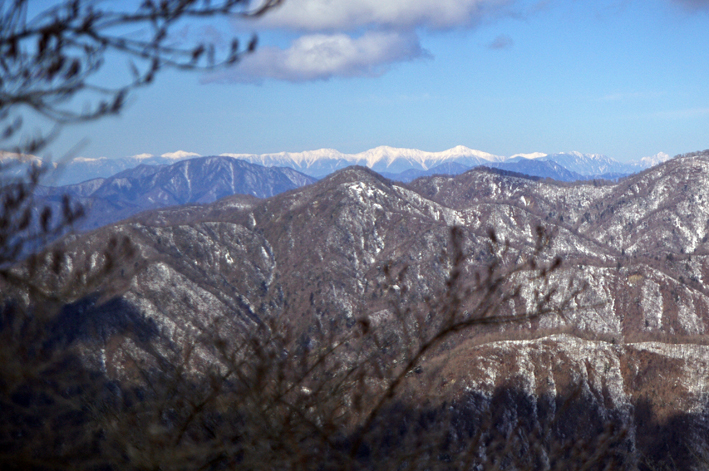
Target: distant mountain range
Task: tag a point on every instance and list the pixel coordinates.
(392, 161)
(395, 163)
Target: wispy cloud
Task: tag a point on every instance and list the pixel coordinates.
(503, 41)
(323, 56)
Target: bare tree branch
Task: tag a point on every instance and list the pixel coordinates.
(52, 58)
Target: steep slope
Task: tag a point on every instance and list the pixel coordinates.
(202, 180)
(641, 244)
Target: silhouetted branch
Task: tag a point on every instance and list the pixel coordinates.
(48, 60)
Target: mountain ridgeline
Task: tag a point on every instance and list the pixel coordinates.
(633, 339)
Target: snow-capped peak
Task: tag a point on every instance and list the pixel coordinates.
(460, 151)
(179, 155)
(88, 159)
(581, 155)
(653, 160)
(532, 156)
(387, 155)
(383, 158)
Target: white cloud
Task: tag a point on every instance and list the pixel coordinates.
(349, 15)
(323, 56)
(358, 38)
(180, 154)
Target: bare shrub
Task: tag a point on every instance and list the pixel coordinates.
(351, 399)
(45, 390)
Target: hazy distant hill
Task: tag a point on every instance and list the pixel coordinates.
(532, 167)
(449, 168)
(597, 164)
(80, 169)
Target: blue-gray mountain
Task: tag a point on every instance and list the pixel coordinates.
(533, 168)
(194, 181)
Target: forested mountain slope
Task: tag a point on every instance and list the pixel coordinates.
(319, 255)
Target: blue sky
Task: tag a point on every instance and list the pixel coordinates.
(625, 78)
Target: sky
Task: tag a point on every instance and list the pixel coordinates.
(624, 78)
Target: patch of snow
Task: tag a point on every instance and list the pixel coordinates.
(652, 304)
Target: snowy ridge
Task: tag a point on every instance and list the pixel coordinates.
(532, 156)
(306, 158)
(392, 160)
(383, 158)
